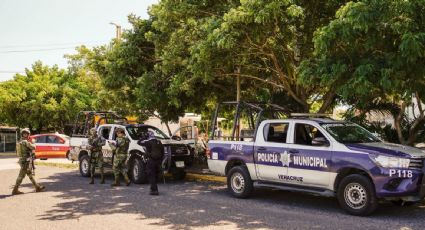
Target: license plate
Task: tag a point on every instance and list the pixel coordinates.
(180, 164)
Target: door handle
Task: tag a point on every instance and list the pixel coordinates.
(262, 148)
(293, 151)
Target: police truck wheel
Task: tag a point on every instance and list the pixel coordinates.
(85, 166)
(239, 182)
(138, 171)
(356, 195)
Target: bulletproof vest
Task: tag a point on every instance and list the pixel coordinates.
(156, 149)
(96, 143)
(22, 150)
(122, 145)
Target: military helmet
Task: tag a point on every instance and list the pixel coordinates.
(26, 130)
(93, 131)
(119, 130)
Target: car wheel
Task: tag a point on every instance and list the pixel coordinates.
(138, 171)
(179, 174)
(239, 182)
(84, 164)
(356, 195)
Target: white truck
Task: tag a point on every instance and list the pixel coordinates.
(177, 154)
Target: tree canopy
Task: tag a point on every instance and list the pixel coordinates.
(377, 49)
(44, 98)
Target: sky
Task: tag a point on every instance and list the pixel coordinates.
(45, 30)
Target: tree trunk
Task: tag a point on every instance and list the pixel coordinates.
(168, 128)
(397, 123)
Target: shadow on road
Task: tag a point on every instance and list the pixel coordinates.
(195, 204)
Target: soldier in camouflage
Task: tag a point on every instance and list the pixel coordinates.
(24, 151)
(120, 149)
(96, 157)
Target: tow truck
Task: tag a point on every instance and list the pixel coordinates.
(315, 154)
(177, 154)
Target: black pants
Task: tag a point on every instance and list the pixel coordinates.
(153, 167)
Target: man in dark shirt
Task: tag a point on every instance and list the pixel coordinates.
(154, 154)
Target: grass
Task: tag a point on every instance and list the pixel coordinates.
(58, 165)
(8, 154)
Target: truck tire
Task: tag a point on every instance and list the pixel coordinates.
(84, 165)
(239, 182)
(356, 195)
(138, 171)
(179, 174)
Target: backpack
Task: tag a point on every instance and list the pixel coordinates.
(18, 149)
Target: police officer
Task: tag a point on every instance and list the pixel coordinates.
(120, 149)
(24, 150)
(96, 156)
(154, 154)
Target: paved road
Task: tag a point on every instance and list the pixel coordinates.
(70, 203)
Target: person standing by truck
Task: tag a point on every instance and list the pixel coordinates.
(96, 156)
(154, 153)
(24, 151)
(119, 163)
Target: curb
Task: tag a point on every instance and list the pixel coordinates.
(203, 177)
(190, 176)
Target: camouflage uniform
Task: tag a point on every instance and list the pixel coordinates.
(96, 156)
(24, 150)
(119, 164)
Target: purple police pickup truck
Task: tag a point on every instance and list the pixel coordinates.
(321, 156)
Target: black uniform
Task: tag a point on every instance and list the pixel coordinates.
(154, 153)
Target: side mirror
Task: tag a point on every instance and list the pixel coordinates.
(320, 141)
(61, 141)
(177, 138)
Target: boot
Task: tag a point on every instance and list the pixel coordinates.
(16, 191)
(154, 193)
(91, 180)
(127, 180)
(116, 182)
(39, 188)
(102, 179)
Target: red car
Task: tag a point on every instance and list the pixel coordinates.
(51, 146)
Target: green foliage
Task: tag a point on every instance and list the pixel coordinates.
(371, 48)
(372, 51)
(44, 98)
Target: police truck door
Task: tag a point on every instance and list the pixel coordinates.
(310, 155)
(271, 157)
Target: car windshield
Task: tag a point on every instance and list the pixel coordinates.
(349, 133)
(135, 132)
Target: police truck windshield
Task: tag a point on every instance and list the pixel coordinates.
(349, 133)
(136, 131)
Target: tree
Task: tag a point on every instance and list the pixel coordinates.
(264, 42)
(44, 98)
(376, 48)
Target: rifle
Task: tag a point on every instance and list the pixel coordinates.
(31, 166)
